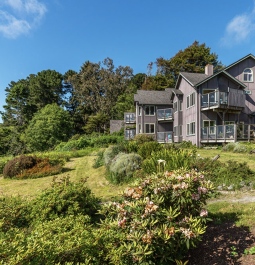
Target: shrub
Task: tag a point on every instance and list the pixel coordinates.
(160, 218)
(132, 146)
(229, 147)
(3, 162)
(18, 164)
(123, 167)
(173, 159)
(111, 152)
(143, 138)
(147, 148)
(99, 161)
(240, 149)
(62, 199)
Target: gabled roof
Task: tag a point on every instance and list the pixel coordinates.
(152, 97)
(245, 57)
(193, 78)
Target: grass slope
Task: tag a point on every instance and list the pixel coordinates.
(76, 168)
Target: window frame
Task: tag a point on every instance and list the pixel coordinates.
(175, 109)
(247, 75)
(140, 109)
(210, 126)
(188, 128)
(176, 131)
(149, 128)
(139, 128)
(149, 110)
(188, 100)
(232, 123)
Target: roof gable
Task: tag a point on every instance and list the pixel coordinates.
(242, 59)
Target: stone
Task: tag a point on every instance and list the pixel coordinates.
(219, 188)
(242, 183)
(231, 187)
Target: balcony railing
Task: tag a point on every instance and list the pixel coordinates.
(228, 133)
(165, 137)
(165, 114)
(234, 98)
(130, 118)
(129, 134)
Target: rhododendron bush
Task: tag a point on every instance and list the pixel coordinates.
(160, 218)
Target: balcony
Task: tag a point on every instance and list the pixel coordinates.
(228, 133)
(165, 114)
(234, 99)
(129, 134)
(129, 118)
(165, 137)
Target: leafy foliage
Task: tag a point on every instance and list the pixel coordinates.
(49, 126)
(142, 138)
(99, 161)
(147, 148)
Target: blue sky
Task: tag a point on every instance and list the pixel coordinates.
(37, 35)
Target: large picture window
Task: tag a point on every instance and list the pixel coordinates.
(149, 110)
(191, 100)
(191, 128)
(248, 75)
(149, 127)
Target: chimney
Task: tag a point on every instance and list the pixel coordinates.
(209, 69)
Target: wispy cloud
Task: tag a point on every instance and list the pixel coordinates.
(239, 29)
(25, 15)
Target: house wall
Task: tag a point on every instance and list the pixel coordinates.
(190, 114)
(237, 71)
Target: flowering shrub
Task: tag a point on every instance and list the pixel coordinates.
(160, 218)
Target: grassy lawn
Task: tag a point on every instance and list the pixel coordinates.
(225, 156)
(76, 168)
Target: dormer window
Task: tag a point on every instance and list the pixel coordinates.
(247, 75)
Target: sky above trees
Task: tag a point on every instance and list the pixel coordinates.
(37, 35)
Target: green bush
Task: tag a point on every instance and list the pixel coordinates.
(143, 138)
(173, 159)
(240, 149)
(123, 167)
(111, 152)
(99, 161)
(132, 146)
(62, 199)
(229, 147)
(147, 148)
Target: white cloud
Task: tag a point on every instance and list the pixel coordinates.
(26, 15)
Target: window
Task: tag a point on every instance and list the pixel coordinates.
(180, 131)
(149, 110)
(149, 127)
(175, 131)
(175, 107)
(211, 124)
(229, 122)
(140, 128)
(191, 100)
(140, 111)
(248, 75)
(191, 128)
(180, 105)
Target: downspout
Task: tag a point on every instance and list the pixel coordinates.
(137, 122)
(198, 117)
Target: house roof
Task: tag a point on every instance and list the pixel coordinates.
(193, 78)
(245, 57)
(154, 97)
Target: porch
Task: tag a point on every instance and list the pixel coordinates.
(228, 133)
(165, 114)
(234, 99)
(165, 137)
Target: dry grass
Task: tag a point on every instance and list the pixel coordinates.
(76, 168)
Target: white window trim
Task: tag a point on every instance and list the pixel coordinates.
(149, 106)
(180, 130)
(140, 109)
(188, 96)
(251, 76)
(177, 127)
(210, 126)
(176, 106)
(181, 104)
(188, 123)
(145, 128)
(139, 128)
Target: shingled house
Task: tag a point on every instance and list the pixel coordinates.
(202, 108)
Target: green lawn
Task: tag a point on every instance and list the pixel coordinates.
(76, 168)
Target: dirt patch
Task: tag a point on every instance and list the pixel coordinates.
(215, 248)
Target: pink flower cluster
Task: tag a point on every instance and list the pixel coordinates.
(121, 223)
(195, 196)
(203, 213)
(202, 190)
(187, 233)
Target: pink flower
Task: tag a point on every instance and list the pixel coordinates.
(203, 213)
(201, 176)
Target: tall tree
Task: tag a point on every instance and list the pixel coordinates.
(192, 59)
(97, 86)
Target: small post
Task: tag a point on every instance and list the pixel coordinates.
(215, 158)
(249, 133)
(235, 133)
(224, 133)
(207, 133)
